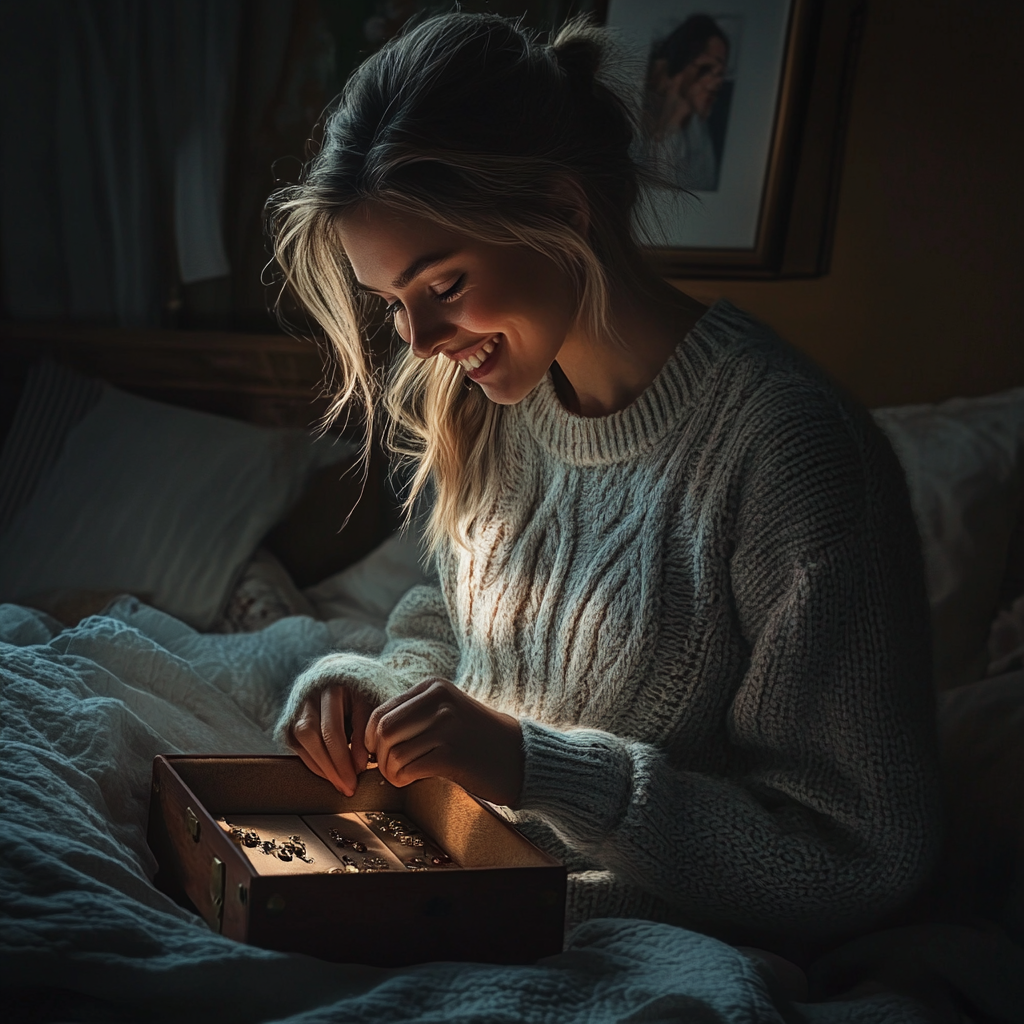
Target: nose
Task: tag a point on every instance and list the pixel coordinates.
(427, 331)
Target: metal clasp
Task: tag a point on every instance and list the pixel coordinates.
(217, 893)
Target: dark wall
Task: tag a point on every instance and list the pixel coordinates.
(925, 296)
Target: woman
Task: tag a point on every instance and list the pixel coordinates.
(686, 72)
(680, 627)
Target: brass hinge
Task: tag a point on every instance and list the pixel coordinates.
(194, 828)
(216, 893)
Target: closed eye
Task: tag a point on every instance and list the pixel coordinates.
(448, 295)
(452, 293)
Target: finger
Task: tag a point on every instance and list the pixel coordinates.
(415, 718)
(308, 761)
(306, 719)
(389, 705)
(315, 749)
(307, 732)
(333, 706)
(418, 758)
(361, 711)
(404, 716)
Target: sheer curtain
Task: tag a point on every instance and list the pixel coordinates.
(121, 121)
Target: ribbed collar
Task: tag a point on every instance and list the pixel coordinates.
(630, 432)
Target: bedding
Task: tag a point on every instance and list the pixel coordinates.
(264, 594)
(104, 490)
(85, 932)
(1006, 639)
(981, 738)
(85, 705)
(964, 461)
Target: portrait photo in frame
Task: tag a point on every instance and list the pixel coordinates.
(743, 107)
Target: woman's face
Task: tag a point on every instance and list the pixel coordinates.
(704, 76)
(501, 312)
(694, 88)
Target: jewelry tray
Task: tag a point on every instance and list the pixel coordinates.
(499, 900)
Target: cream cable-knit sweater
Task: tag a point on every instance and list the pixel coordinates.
(708, 612)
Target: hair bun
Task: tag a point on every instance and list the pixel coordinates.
(579, 50)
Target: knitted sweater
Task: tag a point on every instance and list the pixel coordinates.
(708, 612)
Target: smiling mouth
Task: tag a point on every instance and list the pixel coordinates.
(476, 359)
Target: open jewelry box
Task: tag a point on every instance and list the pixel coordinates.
(273, 855)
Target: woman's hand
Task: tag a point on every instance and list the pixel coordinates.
(436, 729)
(320, 735)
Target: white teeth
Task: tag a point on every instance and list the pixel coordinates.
(478, 358)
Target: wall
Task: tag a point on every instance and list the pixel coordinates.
(925, 295)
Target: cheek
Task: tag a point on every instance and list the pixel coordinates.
(533, 317)
(548, 300)
(538, 332)
(481, 314)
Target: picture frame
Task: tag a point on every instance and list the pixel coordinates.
(744, 106)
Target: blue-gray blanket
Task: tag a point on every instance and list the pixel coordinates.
(84, 711)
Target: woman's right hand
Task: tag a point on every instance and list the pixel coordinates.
(321, 731)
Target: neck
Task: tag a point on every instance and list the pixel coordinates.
(600, 376)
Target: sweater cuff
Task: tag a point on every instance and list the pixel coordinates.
(366, 676)
(579, 780)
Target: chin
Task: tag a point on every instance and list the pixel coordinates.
(501, 397)
(505, 395)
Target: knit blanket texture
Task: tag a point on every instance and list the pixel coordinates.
(85, 710)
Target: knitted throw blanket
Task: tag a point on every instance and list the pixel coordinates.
(708, 612)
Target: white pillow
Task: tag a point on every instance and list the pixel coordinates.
(370, 589)
(964, 461)
(158, 501)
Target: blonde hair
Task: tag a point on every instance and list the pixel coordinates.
(471, 123)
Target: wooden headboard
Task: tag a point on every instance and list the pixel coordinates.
(266, 379)
(269, 379)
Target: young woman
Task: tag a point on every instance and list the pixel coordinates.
(680, 629)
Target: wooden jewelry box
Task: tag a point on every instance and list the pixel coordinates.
(386, 877)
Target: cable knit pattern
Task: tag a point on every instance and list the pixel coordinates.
(419, 645)
(708, 612)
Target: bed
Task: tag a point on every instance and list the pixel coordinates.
(214, 570)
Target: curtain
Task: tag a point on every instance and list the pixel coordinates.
(113, 146)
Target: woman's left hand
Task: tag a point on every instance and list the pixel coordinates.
(436, 729)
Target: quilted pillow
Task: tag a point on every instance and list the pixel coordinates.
(964, 461)
(111, 492)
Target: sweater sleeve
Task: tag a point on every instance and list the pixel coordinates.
(420, 644)
(824, 814)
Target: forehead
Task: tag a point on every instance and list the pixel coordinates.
(381, 244)
(716, 47)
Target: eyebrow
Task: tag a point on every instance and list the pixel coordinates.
(413, 270)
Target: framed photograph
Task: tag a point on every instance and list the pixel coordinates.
(743, 107)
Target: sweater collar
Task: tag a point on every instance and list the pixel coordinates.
(630, 432)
